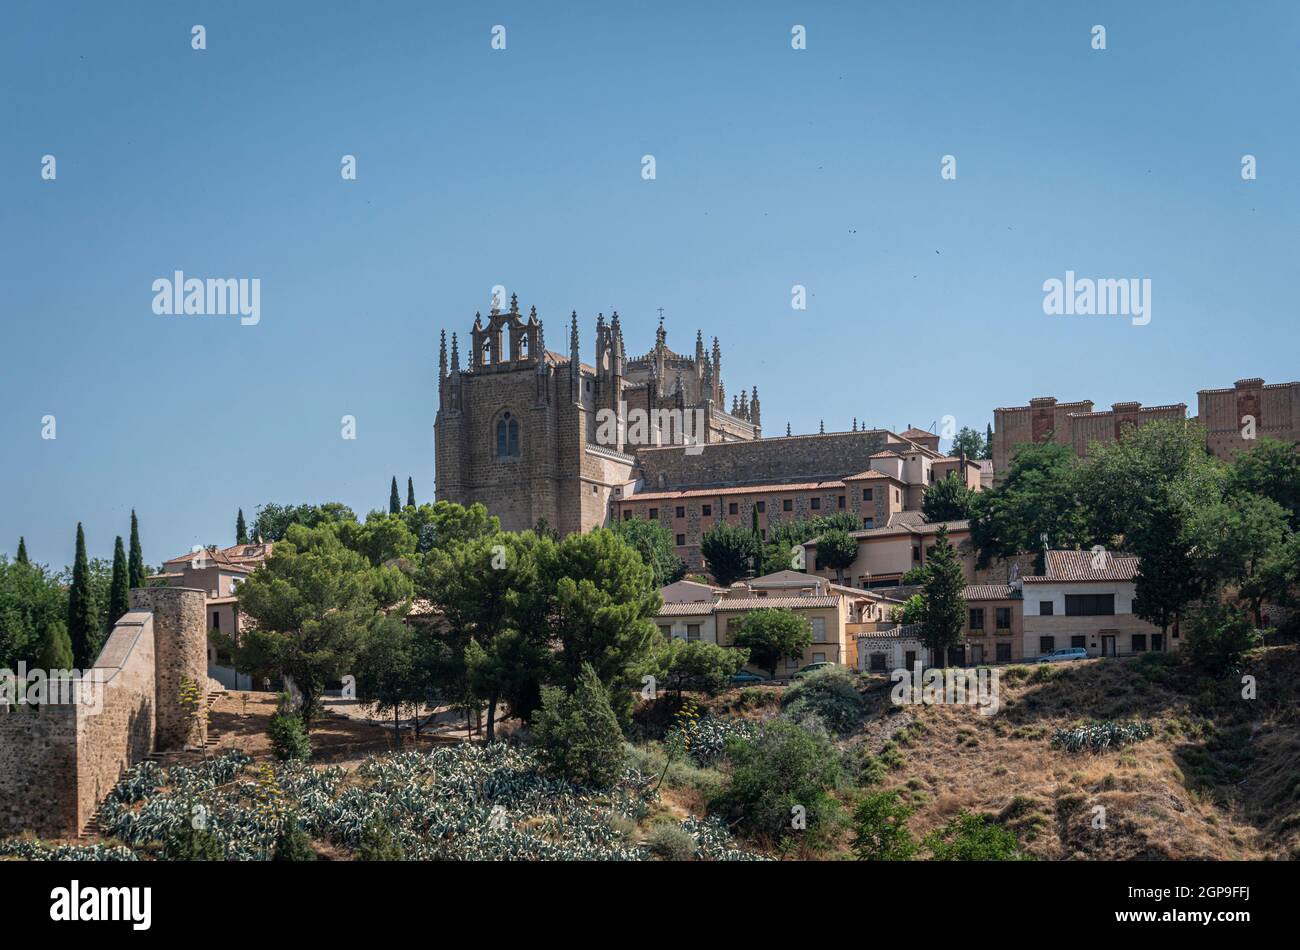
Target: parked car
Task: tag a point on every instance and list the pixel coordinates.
(812, 668)
(746, 678)
(1069, 653)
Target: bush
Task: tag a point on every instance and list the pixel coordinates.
(1217, 638)
(970, 837)
(378, 843)
(289, 739)
(577, 735)
(194, 844)
(880, 829)
(831, 694)
(292, 844)
(785, 768)
(672, 842)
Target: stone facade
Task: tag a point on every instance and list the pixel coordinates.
(57, 762)
(1228, 414)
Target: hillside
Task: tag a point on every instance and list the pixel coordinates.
(1218, 779)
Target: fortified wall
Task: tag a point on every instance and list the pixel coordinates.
(58, 761)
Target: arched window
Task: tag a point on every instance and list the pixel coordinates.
(507, 437)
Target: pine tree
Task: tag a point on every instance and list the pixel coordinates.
(56, 648)
(410, 492)
(135, 563)
(22, 552)
(943, 612)
(394, 499)
(241, 529)
(82, 630)
(119, 598)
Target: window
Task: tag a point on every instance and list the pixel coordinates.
(916, 554)
(681, 511)
(1079, 641)
(839, 502)
(666, 630)
(819, 657)
(818, 629)
(1046, 608)
(1002, 617)
(627, 514)
(507, 437)
(654, 514)
(681, 540)
(1046, 644)
(706, 510)
(763, 533)
(866, 494)
(732, 508)
(760, 506)
(977, 618)
(787, 504)
(692, 631)
(1003, 654)
(815, 504)
(1139, 643)
(878, 663)
(868, 522)
(216, 620)
(1158, 642)
(1089, 605)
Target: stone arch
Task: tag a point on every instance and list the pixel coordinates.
(506, 435)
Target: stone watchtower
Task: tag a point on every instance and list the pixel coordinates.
(180, 650)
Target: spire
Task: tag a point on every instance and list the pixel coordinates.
(699, 346)
(855, 423)
(532, 314)
(541, 348)
(787, 429)
(735, 405)
(744, 404)
(514, 303)
(575, 365)
(753, 408)
(455, 355)
(442, 357)
(660, 335)
(821, 426)
(478, 320)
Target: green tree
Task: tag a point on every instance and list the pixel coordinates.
(1270, 469)
(272, 521)
(1038, 496)
(293, 844)
(383, 538)
(729, 551)
(135, 571)
(378, 843)
(836, 550)
(241, 529)
(410, 492)
(970, 441)
(988, 442)
(780, 780)
(1234, 539)
(388, 677)
(119, 600)
(1217, 637)
(310, 604)
(56, 647)
(912, 610)
(655, 545)
(948, 499)
(394, 499)
(21, 557)
(577, 735)
(943, 609)
(443, 524)
(772, 635)
(681, 664)
(880, 828)
(288, 736)
(83, 630)
(31, 600)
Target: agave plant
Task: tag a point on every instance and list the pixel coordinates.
(1098, 736)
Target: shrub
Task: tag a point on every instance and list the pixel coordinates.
(880, 829)
(292, 844)
(1096, 736)
(289, 739)
(968, 837)
(672, 842)
(193, 844)
(831, 694)
(378, 843)
(1218, 636)
(577, 735)
(786, 767)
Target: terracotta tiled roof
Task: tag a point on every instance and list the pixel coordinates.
(906, 522)
(687, 610)
(790, 603)
(989, 592)
(1078, 566)
(872, 473)
(735, 490)
(914, 432)
(911, 631)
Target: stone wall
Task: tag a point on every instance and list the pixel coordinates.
(181, 647)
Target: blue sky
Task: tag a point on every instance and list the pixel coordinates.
(521, 167)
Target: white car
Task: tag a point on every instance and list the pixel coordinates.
(1069, 653)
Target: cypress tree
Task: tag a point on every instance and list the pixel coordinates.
(119, 600)
(988, 441)
(22, 552)
(82, 630)
(394, 499)
(410, 492)
(56, 648)
(135, 563)
(241, 529)
(943, 610)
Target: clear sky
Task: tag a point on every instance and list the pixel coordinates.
(522, 167)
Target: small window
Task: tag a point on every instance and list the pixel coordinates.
(815, 504)
(681, 511)
(868, 523)
(627, 514)
(706, 510)
(216, 620)
(692, 631)
(898, 496)
(1002, 617)
(787, 504)
(1003, 652)
(916, 554)
(760, 506)
(666, 631)
(681, 540)
(732, 508)
(1046, 644)
(866, 494)
(1046, 608)
(1139, 643)
(1081, 642)
(818, 629)
(977, 618)
(654, 514)
(839, 502)
(877, 662)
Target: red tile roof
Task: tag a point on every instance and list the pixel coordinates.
(989, 592)
(1078, 566)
